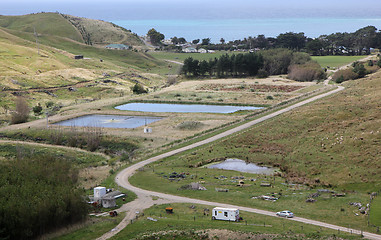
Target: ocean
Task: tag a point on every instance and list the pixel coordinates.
(216, 19)
(233, 29)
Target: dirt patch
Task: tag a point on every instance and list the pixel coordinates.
(249, 87)
(93, 176)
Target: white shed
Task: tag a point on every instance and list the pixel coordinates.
(147, 130)
(99, 192)
(227, 214)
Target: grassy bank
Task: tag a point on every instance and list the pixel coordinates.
(335, 61)
(332, 149)
(194, 222)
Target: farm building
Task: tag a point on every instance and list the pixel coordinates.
(117, 46)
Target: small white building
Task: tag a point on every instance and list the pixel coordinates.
(227, 214)
(147, 130)
(99, 192)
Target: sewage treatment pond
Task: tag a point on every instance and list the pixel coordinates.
(109, 121)
(182, 108)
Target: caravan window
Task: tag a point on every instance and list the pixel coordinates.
(215, 213)
(226, 214)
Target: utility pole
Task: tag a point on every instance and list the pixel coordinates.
(36, 36)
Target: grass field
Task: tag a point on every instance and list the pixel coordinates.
(194, 222)
(375, 212)
(180, 57)
(94, 228)
(335, 61)
(327, 144)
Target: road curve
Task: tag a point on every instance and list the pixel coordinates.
(122, 178)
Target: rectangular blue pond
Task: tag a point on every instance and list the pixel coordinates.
(182, 108)
(109, 121)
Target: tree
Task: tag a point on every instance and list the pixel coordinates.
(222, 40)
(175, 40)
(291, 40)
(314, 47)
(182, 40)
(196, 41)
(155, 36)
(204, 67)
(205, 41)
(21, 113)
(359, 69)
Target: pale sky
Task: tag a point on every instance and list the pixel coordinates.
(220, 9)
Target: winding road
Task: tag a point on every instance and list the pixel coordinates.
(145, 200)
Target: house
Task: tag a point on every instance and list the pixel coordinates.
(108, 200)
(190, 50)
(202, 50)
(117, 46)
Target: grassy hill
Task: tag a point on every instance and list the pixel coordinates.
(83, 30)
(97, 32)
(23, 69)
(43, 23)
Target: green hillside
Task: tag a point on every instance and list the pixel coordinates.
(44, 23)
(83, 30)
(97, 32)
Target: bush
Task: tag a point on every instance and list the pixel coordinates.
(269, 97)
(37, 110)
(21, 113)
(138, 89)
(359, 69)
(344, 75)
(262, 73)
(306, 72)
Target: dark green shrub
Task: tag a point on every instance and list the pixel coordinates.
(37, 110)
(138, 89)
(262, 73)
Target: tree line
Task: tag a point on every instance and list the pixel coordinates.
(237, 65)
(298, 65)
(355, 43)
(38, 194)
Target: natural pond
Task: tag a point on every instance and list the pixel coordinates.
(242, 166)
(109, 121)
(182, 108)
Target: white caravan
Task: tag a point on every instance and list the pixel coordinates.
(227, 214)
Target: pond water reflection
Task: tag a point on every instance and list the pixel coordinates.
(109, 121)
(242, 166)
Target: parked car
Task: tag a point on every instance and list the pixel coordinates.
(287, 214)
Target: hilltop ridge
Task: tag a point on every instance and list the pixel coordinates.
(83, 30)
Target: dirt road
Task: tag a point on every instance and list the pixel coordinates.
(143, 201)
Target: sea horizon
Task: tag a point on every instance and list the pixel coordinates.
(235, 28)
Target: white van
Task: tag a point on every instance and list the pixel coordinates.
(227, 214)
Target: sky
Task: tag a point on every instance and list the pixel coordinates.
(203, 9)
